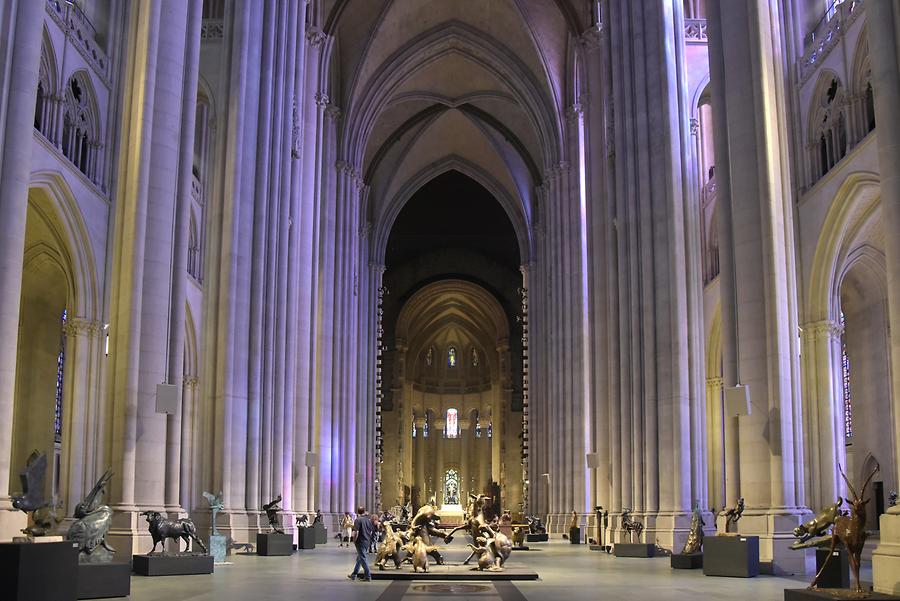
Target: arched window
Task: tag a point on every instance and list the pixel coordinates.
(45, 88)
(425, 427)
(80, 126)
(474, 357)
(869, 107)
(845, 381)
(828, 127)
(451, 356)
(452, 423)
(194, 262)
(414, 427)
(429, 357)
(477, 426)
(60, 368)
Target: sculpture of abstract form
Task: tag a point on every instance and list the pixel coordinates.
(93, 522)
(694, 543)
(631, 526)
(733, 515)
(162, 528)
(850, 531)
(43, 513)
(215, 506)
(271, 508)
(813, 532)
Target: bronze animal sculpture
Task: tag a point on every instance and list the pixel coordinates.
(426, 524)
(813, 532)
(419, 551)
(734, 514)
(850, 531)
(161, 529)
(492, 550)
(629, 525)
(390, 547)
(694, 542)
(31, 500)
(476, 524)
(93, 520)
(216, 504)
(518, 536)
(535, 525)
(485, 554)
(271, 508)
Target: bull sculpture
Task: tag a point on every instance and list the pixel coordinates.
(162, 528)
(813, 532)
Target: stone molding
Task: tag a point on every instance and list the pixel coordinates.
(78, 326)
(825, 328)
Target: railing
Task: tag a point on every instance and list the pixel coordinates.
(695, 31)
(83, 35)
(827, 33)
(212, 29)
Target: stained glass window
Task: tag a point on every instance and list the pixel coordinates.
(451, 356)
(429, 357)
(414, 427)
(425, 427)
(477, 427)
(452, 424)
(490, 429)
(60, 363)
(474, 357)
(845, 379)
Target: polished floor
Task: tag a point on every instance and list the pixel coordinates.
(568, 573)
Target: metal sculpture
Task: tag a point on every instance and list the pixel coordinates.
(94, 520)
(302, 521)
(426, 524)
(31, 500)
(419, 551)
(319, 519)
(814, 532)
(390, 547)
(694, 542)
(535, 525)
(216, 504)
(475, 523)
(733, 515)
(162, 528)
(850, 531)
(518, 536)
(629, 525)
(492, 550)
(271, 508)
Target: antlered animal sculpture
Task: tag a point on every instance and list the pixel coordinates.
(850, 531)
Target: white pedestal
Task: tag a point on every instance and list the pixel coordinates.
(886, 556)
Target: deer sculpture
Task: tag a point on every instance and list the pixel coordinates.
(850, 531)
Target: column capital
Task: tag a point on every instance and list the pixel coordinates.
(420, 422)
(78, 326)
(190, 382)
(824, 328)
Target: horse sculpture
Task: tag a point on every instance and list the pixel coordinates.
(850, 531)
(629, 525)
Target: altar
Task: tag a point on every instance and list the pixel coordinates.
(452, 514)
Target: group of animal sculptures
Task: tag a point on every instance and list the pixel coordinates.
(412, 542)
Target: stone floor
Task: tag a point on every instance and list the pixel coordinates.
(568, 573)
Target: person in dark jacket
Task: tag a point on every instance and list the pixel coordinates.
(363, 534)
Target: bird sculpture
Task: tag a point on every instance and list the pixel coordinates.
(93, 520)
(31, 499)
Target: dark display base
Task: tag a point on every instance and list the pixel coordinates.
(575, 536)
(634, 550)
(321, 533)
(522, 548)
(805, 594)
(837, 572)
(455, 572)
(734, 556)
(274, 544)
(39, 571)
(537, 538)
(687, 561)
(605, 548)
(172, 565)
(104, 580)
(306, 538)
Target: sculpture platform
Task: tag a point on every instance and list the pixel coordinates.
(38, 572)
(274, 544)
(455, 572)
(104, 580)
(537, 538)
(805, 594)
(837, 572)
(687, 561)
(634, 550)
(734, 556)
(172, 565)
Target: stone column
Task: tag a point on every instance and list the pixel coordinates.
(440, 442)
(884, 45)
(758, 276)
(19, 94)
(715, 444)
(419, 463)
(464, 484)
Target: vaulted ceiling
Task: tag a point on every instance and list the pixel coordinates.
(475, 86)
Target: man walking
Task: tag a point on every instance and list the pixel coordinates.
(363, 533)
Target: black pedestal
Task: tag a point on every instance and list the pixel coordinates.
(306, 538)
(104, 580)
(736, 556)
(172, 565)
(687, 561)
(39, 571)
(804, 594)
(537, 538)
(605, 548)
(634, 550)
(575, 536)
(522, 548)
(837, 572)
(321, 533)
(273, 543)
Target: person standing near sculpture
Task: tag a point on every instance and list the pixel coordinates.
(346, 529)
(363, 533)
